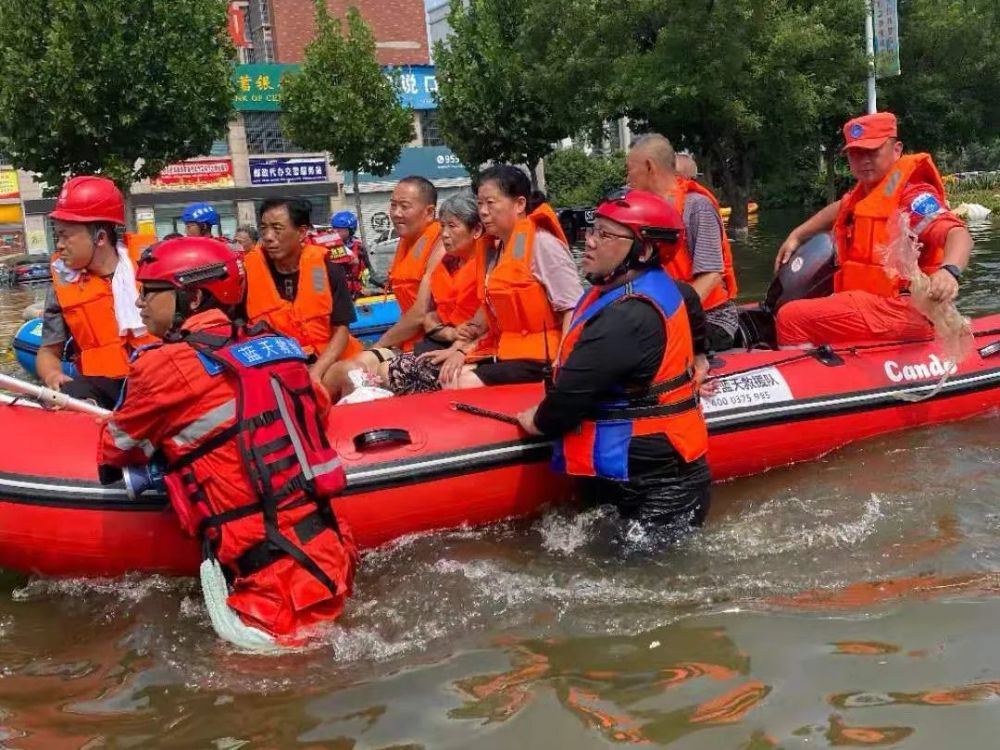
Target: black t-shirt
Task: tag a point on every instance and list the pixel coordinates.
(622, 346)
(343, 313)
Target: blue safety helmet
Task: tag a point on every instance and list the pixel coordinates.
(200, 213)
(344, 220)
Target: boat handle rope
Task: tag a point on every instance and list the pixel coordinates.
(487, 413)
(812, 353)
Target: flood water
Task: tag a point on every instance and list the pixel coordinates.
(851, 602)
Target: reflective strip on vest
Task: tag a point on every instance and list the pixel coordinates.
(520, 246)
(418, 249)
(206, 424)
(125, 442)
(325, 468)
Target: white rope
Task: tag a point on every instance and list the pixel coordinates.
(226, 623)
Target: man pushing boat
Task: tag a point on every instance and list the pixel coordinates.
(240, 428)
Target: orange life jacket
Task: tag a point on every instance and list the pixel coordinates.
(407, 271)
(553, 221)
(458, 297)
(862, 229)
(681, 266)
(599, 447)
(307, 318)
(88, 307)
(521, 317)
(136, 243)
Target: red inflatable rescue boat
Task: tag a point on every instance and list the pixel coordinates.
(415, 464)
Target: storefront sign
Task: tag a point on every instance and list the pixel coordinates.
(258, 87)
(187, 175)
(432, 162)
(288, 170)
(416, 84)
(8, 184)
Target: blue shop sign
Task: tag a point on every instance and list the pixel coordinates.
(288, 170)
(432, 162)
(416, 84)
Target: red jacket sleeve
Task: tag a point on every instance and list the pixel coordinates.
(929, 213)
(141, 422)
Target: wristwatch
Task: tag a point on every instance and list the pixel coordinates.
(953, 270)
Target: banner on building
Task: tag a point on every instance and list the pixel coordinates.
(436, 163)
(885, 21)
(288, 170)
(237, 23)
(258, 86)
(189, 175)
(8, 184)
(416, 85)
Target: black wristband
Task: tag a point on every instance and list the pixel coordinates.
(953, 270)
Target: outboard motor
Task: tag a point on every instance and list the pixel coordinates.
(806, 275)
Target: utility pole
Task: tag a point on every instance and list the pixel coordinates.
(870, 52)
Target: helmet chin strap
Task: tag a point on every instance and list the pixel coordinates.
(631, 260)
(182, 303)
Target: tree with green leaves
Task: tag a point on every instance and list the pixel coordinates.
(114, 87)
(734, 82)
(341, 102)
(498, 99)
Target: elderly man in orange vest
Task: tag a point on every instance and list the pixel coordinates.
(703, 259)
(297, 288)
(867, 303)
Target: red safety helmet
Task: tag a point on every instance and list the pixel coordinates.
(189, 263)
(90, 199)
(651, 218)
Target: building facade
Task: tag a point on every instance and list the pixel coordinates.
(256, 160)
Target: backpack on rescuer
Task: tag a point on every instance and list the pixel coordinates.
(286, 455)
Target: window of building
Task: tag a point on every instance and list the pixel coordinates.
(264, 134)
(259, 31)
(429, 128)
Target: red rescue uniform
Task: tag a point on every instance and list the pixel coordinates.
(867, 303)
(294, 568)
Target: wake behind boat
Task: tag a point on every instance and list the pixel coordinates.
(415, 464)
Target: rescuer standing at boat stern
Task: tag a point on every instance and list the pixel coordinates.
(624, 399)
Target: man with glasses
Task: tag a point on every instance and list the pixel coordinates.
(624, 397)
(867, 303)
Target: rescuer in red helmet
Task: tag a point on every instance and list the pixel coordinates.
(236, 425)
(93, 294)
(624, 400)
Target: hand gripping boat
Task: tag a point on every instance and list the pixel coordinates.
(416, 464)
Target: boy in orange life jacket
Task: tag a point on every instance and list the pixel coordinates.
(624, 397)
(704, 259)
(297, 288)
(867, 304)
(93, 294)
(257, 491)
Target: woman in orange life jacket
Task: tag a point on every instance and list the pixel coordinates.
(624, 397)
(454, 301)
(530, 285)
(234, 417)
